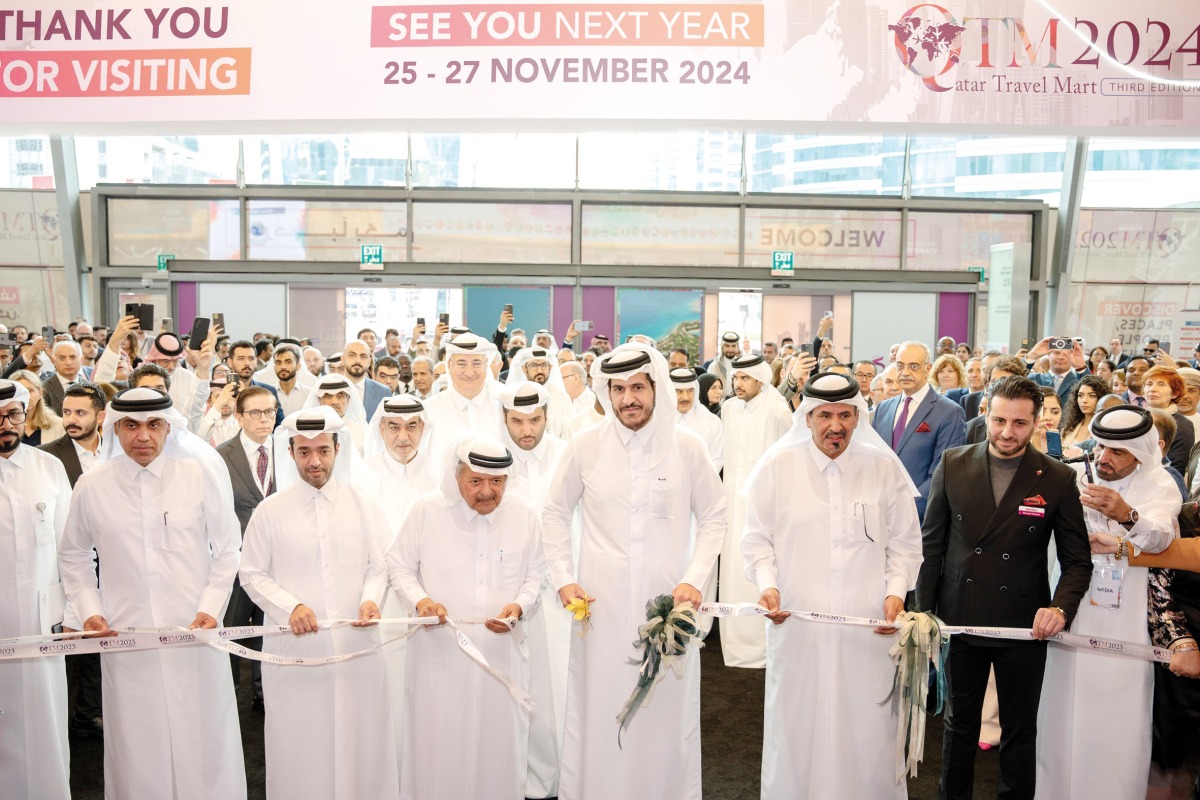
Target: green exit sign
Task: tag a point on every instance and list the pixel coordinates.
(163, 261)
(783, 264)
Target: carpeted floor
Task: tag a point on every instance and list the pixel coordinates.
(731, 719)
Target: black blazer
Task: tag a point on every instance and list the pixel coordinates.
(53, 393)
(986, 565)
(976, 430)
(63, 449)
(246, 495)
(970, 404)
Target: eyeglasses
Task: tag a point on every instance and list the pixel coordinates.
(14, 418)
(909, 367)
(257, 414)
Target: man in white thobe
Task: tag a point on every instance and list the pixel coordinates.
(189, 390)
(399, 442)
(753, 420)
(399, 451)
(535, 364)
(583, 399)
(722, 365)
(469, 403)
(640, 481)
(536, 453)
(696, 417)
(158, 512)
(831, 526)
(1085, 693)
(468, 552)
(336, 392)
(314, 552)
(34, 497)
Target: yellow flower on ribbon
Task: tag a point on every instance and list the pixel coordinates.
(579, 607)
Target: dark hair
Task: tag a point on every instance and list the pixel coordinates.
(150, 369)
(263, 346)
(1009, 364)
(365, 330)
(388, 361)
(1072, 413)
(89, 390)
(87, 337)
(250, 394)
(239, 344)
(1152, 341)
(1017, 388)
(681, 350)
(1149, 363)
(870, 364)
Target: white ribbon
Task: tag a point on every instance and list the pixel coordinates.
(1080, 641)
(467, 646)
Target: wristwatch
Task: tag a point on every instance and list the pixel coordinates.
(1133, 518)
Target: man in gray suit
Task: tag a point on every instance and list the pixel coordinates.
(67, 358)
(250, 462)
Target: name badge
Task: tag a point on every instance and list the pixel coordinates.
(1106, 585)
(1031, 511)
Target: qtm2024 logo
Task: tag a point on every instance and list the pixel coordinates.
(929, 41)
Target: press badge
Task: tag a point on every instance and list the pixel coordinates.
(1106, 584)
(1031, 511)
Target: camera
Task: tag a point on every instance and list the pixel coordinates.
(1061, 343)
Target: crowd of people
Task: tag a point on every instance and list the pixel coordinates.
(534, 497)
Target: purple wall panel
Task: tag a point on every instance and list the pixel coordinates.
(954, 316)
(562, 308)
(185, 305)
(600, 306)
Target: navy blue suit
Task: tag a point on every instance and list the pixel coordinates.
(1064, 389)
(943, 426)
(374, 393)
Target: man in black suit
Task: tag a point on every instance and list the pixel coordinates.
(250, 462)
(83, 417)
(995, 366)
(992, 508)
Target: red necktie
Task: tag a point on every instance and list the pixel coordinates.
(262, 470)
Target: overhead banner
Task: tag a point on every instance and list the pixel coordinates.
(1082, 65)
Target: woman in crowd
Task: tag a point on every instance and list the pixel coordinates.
(948, 377)
(1097, 357)
(131, 349)
(963, 351)
(1050, 417)
(711, 389)
(1081, 407)
(1118, 385)
(1162, 389)
(42, 425)
(1104, 371)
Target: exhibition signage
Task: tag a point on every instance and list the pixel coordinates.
(1074, 65)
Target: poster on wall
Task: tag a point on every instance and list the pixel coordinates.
(671, 317)
(1080, 65)
(33, 298)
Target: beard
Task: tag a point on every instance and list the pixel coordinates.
(9, 442)
(77, 432)
(355, 370)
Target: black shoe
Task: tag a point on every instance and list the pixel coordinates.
(87, 727)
